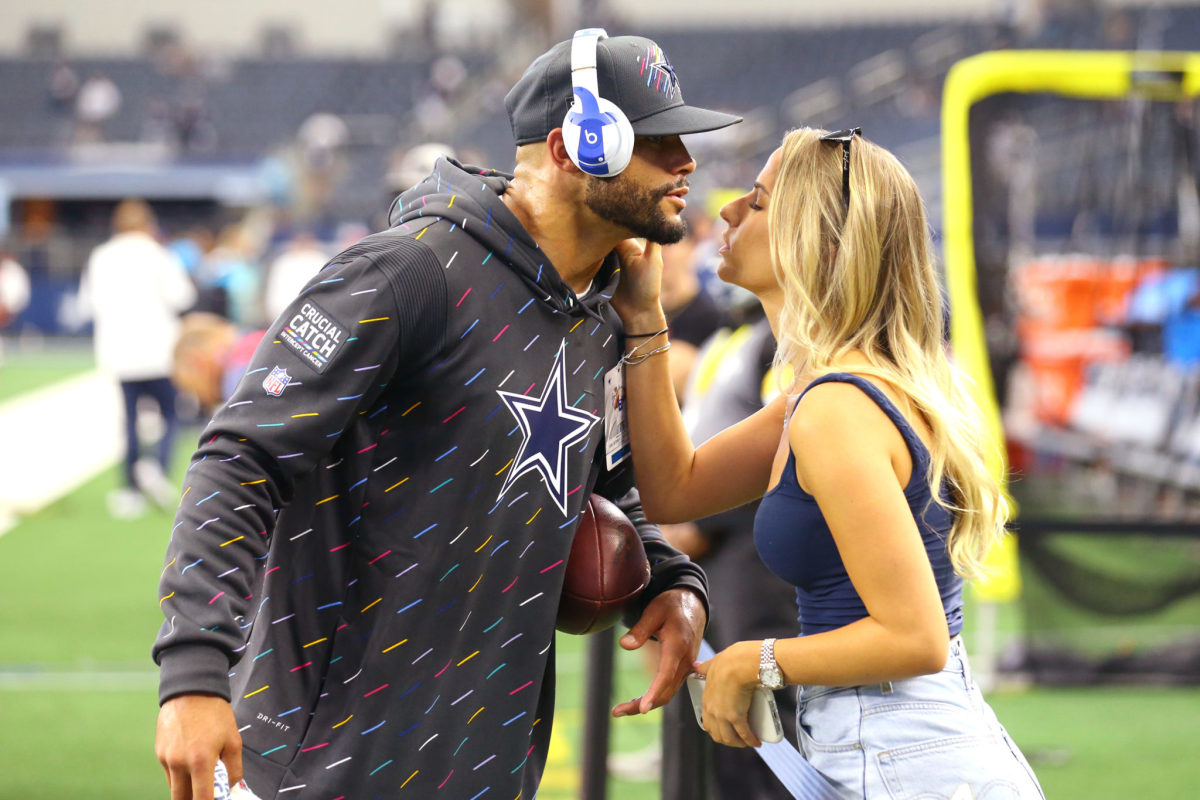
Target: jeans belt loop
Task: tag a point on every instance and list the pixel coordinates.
(886, 687)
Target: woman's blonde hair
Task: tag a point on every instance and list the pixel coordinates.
(863, 278)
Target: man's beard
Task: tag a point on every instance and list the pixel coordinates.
(622, 201)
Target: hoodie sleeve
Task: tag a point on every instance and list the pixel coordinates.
(371, 316)
(669, 568)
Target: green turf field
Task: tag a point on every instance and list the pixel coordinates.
(77, 687)
(26, 367)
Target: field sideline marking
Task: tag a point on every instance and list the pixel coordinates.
(65, 434)
(78, 680)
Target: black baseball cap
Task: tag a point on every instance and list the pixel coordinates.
(632, 72)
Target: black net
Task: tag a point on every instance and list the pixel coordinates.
(1087, 243)
(1102, 607)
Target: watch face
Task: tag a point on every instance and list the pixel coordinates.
(770, 678)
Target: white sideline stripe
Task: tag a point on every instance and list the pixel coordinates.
(79, 680)
(54, 439)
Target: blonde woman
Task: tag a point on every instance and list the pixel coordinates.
(833, 240)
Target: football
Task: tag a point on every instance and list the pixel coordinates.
(606, 571)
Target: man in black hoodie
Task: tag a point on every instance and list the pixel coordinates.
(361, 586)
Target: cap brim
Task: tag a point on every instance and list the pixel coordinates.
(683, 119)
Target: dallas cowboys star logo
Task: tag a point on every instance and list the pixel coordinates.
(664, 77)
(549, 427)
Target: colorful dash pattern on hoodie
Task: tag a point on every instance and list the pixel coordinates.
(370, 545)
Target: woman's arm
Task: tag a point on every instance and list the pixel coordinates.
(679, 482)
(853, 460)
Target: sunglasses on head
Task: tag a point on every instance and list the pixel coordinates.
(844, 137)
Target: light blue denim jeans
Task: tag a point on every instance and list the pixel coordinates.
(932, 737)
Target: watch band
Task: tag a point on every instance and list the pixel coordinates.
(767, 657)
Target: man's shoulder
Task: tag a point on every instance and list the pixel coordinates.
(396, 262)
(394, 245)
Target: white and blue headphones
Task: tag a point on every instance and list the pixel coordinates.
(597, 134)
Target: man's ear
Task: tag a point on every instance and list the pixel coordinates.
(556, 148)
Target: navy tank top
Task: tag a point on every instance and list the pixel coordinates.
(795, 542)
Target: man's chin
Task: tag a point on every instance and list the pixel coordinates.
(677, 233)
(671, 230)
(665, 239)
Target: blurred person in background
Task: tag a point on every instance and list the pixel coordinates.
(97, 101)
(422, 424)
(348, 233)
(210, 357)
(14, 292)
(192, 247)
(877, 499)
(231, 270)
(732, 379)
(692, 313)
(320, 163)
(740, 306)
(692, 316)
(408, 166)
(302, 257)
(62, 87)
(134, 290)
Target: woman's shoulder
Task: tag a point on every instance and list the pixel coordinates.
(831, 410)
(837, 434)
(863, 387)
(847, 407)
(836, 398)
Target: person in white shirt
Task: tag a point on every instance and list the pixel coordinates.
(135, 290)
(299, 260)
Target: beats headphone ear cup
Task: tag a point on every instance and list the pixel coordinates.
(618, 137)
(597, 135)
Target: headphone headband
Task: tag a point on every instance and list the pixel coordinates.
(583, 59)
(597, 135)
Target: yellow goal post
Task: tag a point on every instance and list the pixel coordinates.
(1100, 75)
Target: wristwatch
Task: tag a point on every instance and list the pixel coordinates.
(769, 674)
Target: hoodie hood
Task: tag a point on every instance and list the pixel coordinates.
(470, 197)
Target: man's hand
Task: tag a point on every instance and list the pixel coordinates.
(676, 619)
(194, 730)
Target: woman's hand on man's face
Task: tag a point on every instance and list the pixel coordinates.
(637, 294)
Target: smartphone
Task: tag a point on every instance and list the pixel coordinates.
(764, 713)
(222, 790)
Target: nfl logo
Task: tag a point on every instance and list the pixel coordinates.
(277, 381)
